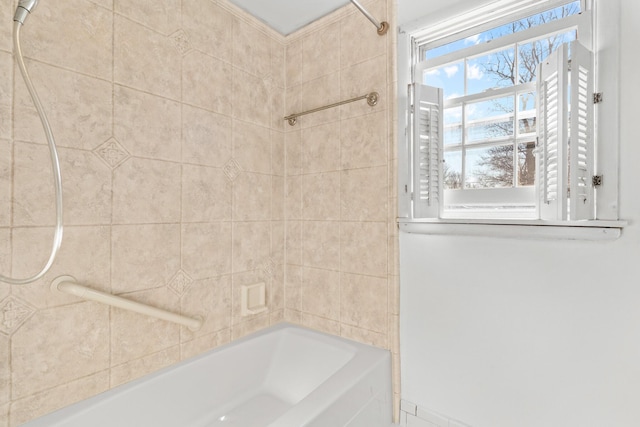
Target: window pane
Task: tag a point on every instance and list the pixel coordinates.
(526, 163)
(572, 8)
(489, 167)
(533, 53)
(453, 126)
(452, 170)
(490, 71)
(526, 113)
(449, 77)
(490, 119)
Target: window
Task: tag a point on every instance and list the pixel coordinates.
(501, 116)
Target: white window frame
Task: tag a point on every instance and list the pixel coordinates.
(607, 224)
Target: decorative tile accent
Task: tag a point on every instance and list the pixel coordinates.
(13, 313)
(180, 283)
(232, 170)
(267, 268)
(112, 153)
(181, 41)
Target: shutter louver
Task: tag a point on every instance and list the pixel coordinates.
(552, 135)
(581, 149)
(427, 148)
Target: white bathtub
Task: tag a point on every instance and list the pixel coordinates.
(283, 376)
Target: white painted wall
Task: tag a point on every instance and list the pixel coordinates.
(511, 332)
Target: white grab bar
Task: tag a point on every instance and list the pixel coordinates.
(68, 285)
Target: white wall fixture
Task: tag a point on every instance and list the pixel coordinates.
(253, 299)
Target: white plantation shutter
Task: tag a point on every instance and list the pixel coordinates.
(552, 135)
(565, 135)
(581, 150)
(427, 149)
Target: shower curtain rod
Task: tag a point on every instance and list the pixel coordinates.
(382, 27)
(372, 100)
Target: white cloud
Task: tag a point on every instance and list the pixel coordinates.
(474, 72)
(473, 39)
(432, 73)
(451, 70)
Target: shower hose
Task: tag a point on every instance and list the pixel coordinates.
(55, 163)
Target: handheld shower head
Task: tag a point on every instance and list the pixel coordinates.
(25, 7)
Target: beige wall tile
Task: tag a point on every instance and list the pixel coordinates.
(250, 326)
(293, 150)
(321, 324)
(321, 293)
(363, 248)
(4, 415)
(363, 194)
(147, 125)
(6, 176)
(277, 153)
(293, 287)
(77, 343)
(85, 47)
(209, 299)
(278, 58)
(138, 335)
(5, 260)
(293, 243)
(38, 404)
(321, 148)
(319, 201)
(6, 15)
(79, 108)
(363, 141)
(321, 52)
(6, 93)
(86, 187)
(252, 197)
(252, 97)
(206, 137)
(277, 198)
(209, 28)
(359, 39)
(317, 93)
(84, 255)
(293, 198)
(207, 83)
(293, 64)
(206, 249)
(251, 49)
(252, 147)
(145, 365)
(145, 60)
(363, 302)
(146, 191)
(321, 244)
(364, 336)
(204, 343)
(163, 16)
(251, 245)
(362, 78)
(5, 372)
(206, 194)
(107, 4)
(144, 256)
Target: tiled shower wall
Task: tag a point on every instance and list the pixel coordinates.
(340, 201)
(168, 117)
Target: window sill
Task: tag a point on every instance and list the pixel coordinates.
(516, 228)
